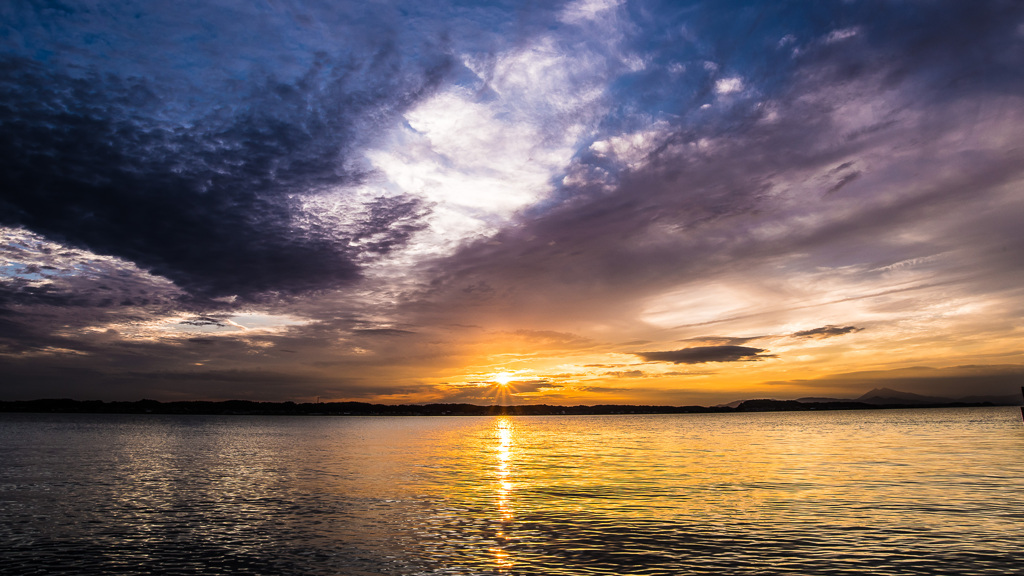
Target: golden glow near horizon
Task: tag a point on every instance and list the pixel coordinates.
(509, 368)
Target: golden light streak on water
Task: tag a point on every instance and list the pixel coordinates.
(504, 432)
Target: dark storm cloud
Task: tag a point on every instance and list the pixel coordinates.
(186, 144)
(16, 335)
(210, 205)
(826, 331)
(182, 136)
(179, 135)
(702, 354)
(55, 376)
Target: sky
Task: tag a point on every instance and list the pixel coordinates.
(583, 202)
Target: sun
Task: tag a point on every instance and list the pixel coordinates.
(503, 378)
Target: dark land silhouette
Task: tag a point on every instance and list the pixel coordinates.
(246, 407)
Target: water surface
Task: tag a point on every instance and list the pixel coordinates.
(936, 491)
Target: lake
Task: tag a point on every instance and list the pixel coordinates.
(926, 491)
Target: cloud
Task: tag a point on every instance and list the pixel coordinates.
(491, 393)
(843, 181)
(563, 178)
(722, 340)
(528, 386)
(625, 374)
(826, 331)
(702, 354)
(840, 35)
(210, 205)
(383, 332)
(686, 221)
(950, 382)
(728, 85)
(204, 321)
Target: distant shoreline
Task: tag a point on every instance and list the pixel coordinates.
(246, 407)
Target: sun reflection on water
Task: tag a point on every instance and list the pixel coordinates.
(505, 433)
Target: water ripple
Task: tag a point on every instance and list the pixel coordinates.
(896, 492)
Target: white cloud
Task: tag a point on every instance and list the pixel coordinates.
(700, 303)
(582, 11)
(478, 157)
(29, 259)
(632, 149)
(729, 85)
(841, 34)
(181, 326)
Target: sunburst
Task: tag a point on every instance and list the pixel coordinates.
(503, 386)
(503, 378)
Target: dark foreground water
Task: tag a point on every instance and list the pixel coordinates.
(866, 492)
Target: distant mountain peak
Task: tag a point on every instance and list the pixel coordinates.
(890, 394)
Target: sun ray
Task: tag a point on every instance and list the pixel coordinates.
(503, 378)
